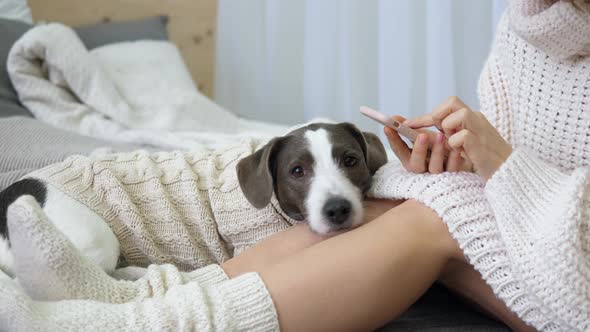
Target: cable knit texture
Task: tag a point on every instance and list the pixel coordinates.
(165, 299)
(49, 267)
(180, 208)
(527, 230)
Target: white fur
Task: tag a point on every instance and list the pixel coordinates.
(328, 182)
(89, 233)
(314, 120)
(6, 258)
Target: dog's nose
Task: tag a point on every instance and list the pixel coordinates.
(337, 210)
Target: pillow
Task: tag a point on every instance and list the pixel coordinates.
(91, 35)
(16, 10)
(96, 35)
(10, 31)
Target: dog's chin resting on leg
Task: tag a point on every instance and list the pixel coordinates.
(191, 209)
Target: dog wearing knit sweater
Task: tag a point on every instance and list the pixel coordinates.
(192, 209)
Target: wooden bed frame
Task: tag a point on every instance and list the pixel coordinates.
(191, 25)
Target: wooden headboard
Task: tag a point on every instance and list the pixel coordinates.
(191, 26)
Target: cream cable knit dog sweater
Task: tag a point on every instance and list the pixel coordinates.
(528, 229)
(181, 208)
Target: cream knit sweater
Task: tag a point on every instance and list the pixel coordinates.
(181, 208)
(527, 230)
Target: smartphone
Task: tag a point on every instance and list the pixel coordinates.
(383, 119)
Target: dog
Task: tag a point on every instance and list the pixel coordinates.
(319, 173)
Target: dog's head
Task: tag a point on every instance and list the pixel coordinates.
(319, 173)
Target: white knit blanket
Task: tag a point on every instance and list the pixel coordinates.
(138, 92)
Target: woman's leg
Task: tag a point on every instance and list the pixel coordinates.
(361, 279)
(337, 273)
(281, 245)
(462, 278)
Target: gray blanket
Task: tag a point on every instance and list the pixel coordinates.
(27, 144)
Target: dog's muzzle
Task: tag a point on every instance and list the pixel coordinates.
(337, 210)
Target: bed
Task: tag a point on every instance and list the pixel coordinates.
(29, 143)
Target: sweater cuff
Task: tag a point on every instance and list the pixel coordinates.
(207, 276)
(441, 192)
(249, 303)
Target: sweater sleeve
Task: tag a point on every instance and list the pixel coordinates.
(544, 217)
(239, 304)
(460, 200)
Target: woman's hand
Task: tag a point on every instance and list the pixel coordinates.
(422, 158)
(468, 133)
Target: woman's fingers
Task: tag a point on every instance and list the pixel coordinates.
(448, 107)
(438, 115)
(463, 140)
(451, 105)
(454, 161)
(433, 152)
(467, 165)
(399, 147)
(419, 154)
(422, 121)
(437, 156)
(462, 119)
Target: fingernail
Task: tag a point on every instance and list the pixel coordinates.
(408, 123)
(423, 139)
(440, 138)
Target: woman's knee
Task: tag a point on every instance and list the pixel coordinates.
(427, 228)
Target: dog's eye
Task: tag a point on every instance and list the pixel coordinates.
(349, 161)
(297, 172)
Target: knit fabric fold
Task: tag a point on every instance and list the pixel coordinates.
(560, 29)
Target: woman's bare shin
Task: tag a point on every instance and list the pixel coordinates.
(363, 278)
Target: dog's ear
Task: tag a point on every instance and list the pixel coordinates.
(375, 155)
(255, 174)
